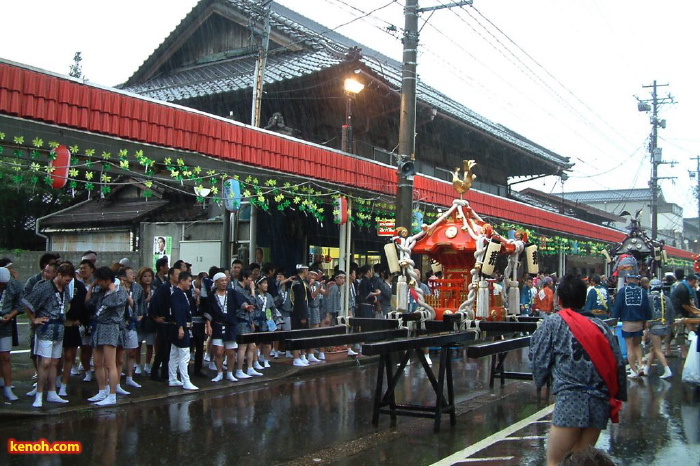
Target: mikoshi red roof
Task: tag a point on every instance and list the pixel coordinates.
(41, 96)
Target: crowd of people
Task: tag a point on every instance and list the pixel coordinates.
(93, 321)
(647, 309)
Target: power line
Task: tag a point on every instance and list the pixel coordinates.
(388, 28)
(569, 91)
(531, 74)
(608, 170)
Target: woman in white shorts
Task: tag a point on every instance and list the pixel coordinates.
(223, 327)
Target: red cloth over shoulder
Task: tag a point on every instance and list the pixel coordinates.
(598, 349)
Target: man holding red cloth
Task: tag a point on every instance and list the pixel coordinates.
(583, 357)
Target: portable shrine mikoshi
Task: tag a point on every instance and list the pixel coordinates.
(467, 249)
(463, 308)
(635, 254)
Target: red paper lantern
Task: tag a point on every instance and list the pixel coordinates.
(61, 164)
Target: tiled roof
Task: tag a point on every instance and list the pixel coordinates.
(105, 214)
(323, 49)
(231, 75)
(102, 213)
(553, 203)
(610, 195)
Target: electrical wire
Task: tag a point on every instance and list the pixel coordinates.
(532, 75)
(526, 70)
(364, 16)
(670, 141)
(534, 102)
(539, 65)
(335, 28)
(608, 170)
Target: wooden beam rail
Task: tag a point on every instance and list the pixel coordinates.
(345, 339)
(498, 350)
(269, 337)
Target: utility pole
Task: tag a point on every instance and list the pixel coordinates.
(263, 46)
(696, 174)
(407, 117)
(654, 150)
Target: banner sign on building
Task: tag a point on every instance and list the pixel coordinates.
(386, 227)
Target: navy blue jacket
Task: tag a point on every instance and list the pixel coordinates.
(632, 304)
(180, 309)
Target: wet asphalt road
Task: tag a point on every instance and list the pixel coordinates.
(325, 418)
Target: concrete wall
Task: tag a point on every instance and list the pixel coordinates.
(27, 262)
(177, 231)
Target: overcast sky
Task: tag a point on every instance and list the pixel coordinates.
(562, 73)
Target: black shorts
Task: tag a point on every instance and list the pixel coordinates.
(71, 337)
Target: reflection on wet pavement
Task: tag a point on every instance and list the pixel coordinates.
(326, 419)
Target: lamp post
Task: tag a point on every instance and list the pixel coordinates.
(352, 88)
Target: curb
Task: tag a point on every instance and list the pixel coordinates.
(169, 392)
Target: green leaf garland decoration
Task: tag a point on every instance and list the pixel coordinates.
(31, 160)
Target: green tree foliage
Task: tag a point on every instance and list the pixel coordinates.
(76, 69)
(20, 205)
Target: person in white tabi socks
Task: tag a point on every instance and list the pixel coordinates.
(180, 309)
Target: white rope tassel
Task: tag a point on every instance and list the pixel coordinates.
(468, 313)
(466, 325)
(405, 247)
(401, 294)
(468, 305)
(396, 315)
(411, 325)
(482, 300)
(511, 272)
(424, 315)
(513, 298)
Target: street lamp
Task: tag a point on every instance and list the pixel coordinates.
(352, 87)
